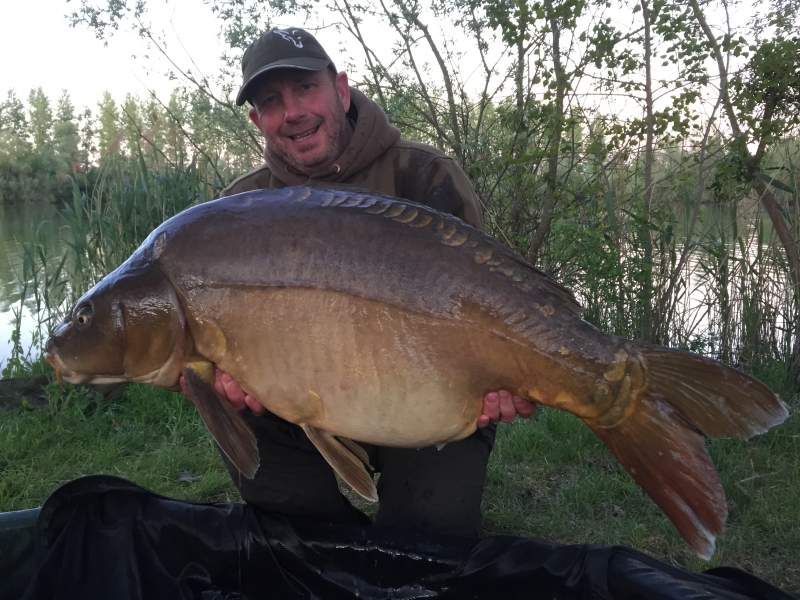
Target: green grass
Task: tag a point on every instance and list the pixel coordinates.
(549, 477)
(149, 436)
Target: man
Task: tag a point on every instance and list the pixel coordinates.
(318, 129)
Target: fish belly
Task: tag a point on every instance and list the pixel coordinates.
(359, 368)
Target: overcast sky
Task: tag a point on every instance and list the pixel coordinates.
(40, 48)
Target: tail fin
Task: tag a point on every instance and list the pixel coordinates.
(666, 456)
(720, 400)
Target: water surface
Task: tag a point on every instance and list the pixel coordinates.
(17, 223)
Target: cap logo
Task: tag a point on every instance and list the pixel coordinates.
(289, 36)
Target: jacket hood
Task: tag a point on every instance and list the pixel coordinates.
(372, 136)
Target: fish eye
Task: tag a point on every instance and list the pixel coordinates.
(83, 316)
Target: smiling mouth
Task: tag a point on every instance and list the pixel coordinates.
(306, 134)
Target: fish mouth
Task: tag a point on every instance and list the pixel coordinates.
(63, 373)
(51, 360)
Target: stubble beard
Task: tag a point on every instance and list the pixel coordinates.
(337, 141)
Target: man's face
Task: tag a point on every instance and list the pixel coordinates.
(302, 115)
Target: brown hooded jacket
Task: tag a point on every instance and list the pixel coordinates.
(379, 160)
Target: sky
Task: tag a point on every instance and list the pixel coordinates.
(40, 48)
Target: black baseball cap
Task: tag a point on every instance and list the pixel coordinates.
(292, 48)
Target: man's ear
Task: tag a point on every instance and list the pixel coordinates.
(253, 114)
(343, 89)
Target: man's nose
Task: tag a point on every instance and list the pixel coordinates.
(293, 109)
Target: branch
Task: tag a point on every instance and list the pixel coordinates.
(356, 33)
(448, 86)
(443, 137)
(723, 71)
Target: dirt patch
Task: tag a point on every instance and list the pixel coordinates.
(12, 391)
(33, 389)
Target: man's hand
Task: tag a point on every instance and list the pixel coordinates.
(502, 406)
(497, 406)
(227, 388)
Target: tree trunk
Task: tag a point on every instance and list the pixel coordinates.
(649, 327)
(551, 194)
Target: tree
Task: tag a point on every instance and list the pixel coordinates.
(109, 133)
(766, 105)
(66, 137)
(12, 116)
(132, 125)
(553, 108)
(87, 133)
(40, 117)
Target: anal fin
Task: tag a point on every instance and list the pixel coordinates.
(359, 452)
(226, 425)
(349, 466)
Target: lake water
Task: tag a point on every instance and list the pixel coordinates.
(17, 222)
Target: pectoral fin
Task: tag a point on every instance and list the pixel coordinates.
(227, 426)
(349, 466)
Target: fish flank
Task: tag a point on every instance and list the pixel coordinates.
(452, 236)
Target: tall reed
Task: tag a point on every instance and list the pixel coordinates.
(128, 202)
(718, 274)
(101, 229)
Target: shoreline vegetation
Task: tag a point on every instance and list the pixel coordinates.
(677, 225)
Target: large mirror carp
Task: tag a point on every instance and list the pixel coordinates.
(366, 318)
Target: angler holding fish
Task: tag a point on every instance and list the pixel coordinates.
(320, 130)
(369, 326)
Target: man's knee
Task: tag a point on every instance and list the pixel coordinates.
(435, 491)
(292, 478)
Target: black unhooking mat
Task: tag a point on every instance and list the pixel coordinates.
(104, 537)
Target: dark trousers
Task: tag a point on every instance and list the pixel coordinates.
(425, 490)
